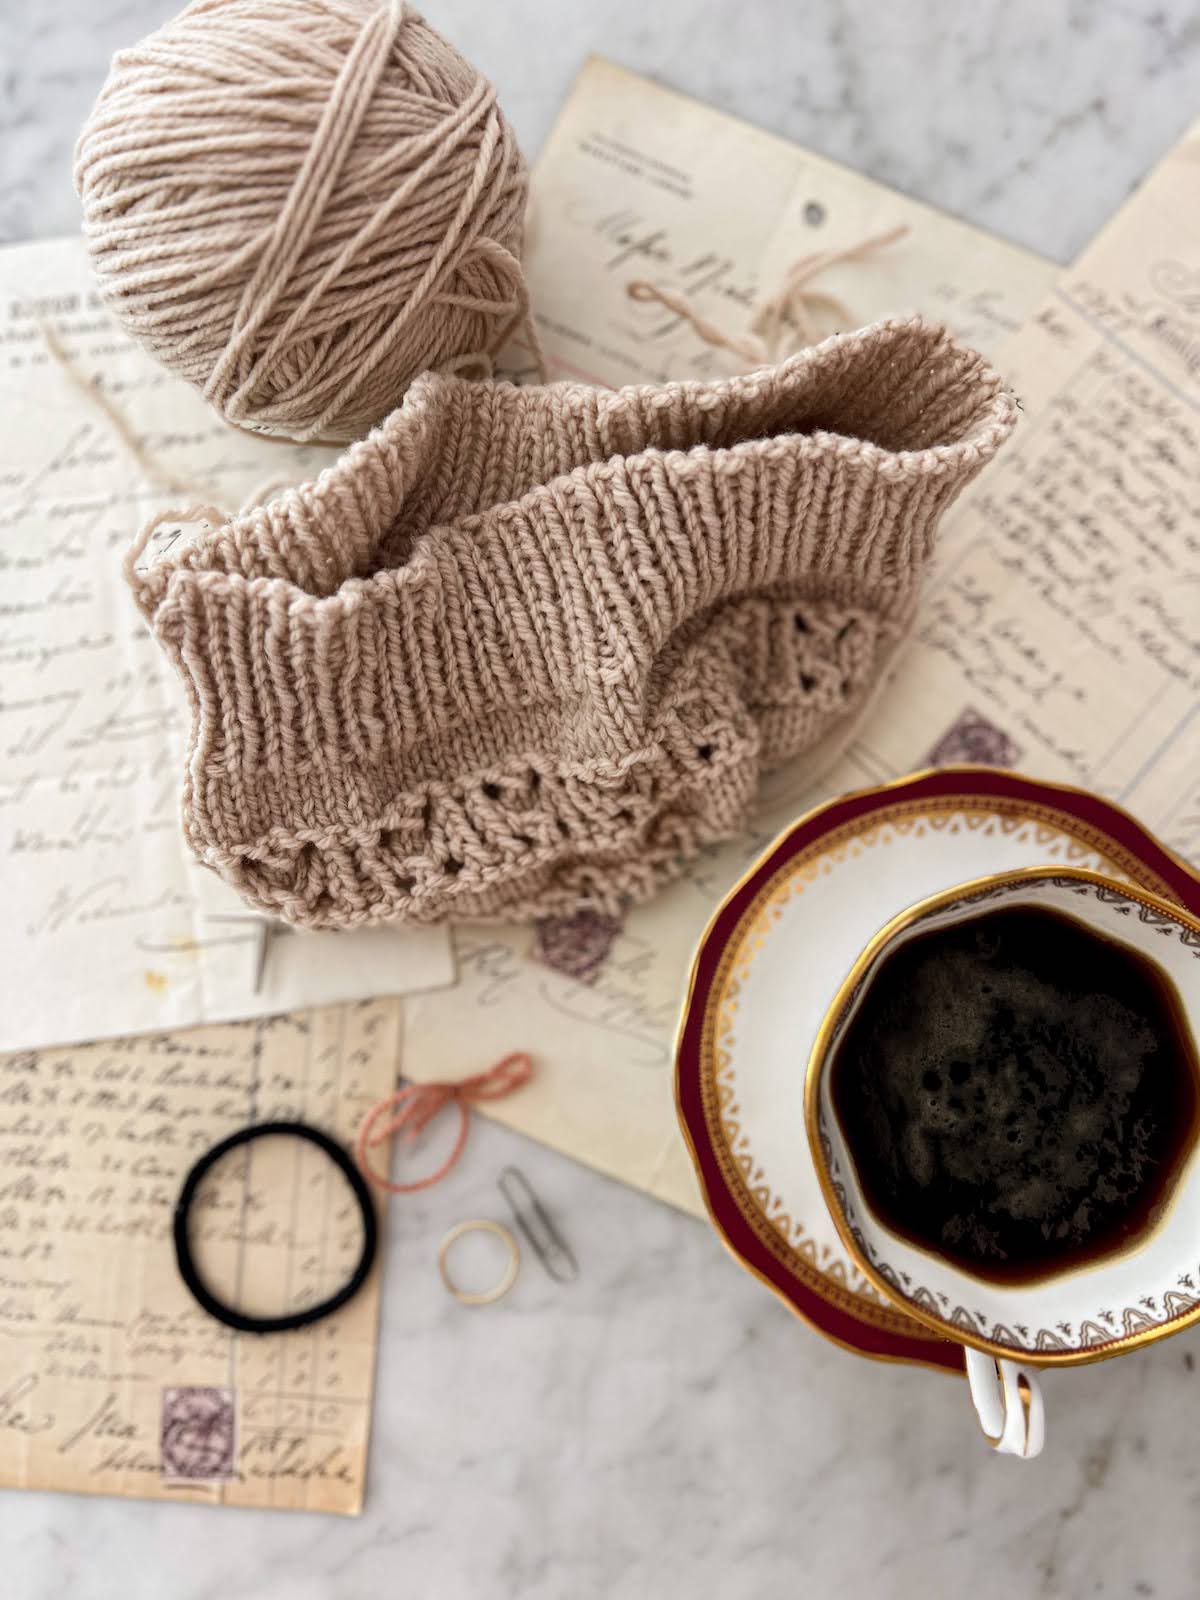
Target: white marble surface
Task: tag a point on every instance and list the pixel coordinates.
(663, 1427)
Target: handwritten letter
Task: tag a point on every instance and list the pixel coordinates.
(108, 926)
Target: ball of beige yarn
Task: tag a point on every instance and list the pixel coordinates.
(299, 205)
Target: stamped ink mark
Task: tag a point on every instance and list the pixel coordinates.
(576, 946)
(972, 738)
(199, 1434)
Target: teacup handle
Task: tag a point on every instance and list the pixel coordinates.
(1008, 1403)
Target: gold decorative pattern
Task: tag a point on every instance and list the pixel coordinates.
(834, 1277)
(1106, 1333)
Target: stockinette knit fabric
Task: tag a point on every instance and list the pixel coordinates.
(527, 650)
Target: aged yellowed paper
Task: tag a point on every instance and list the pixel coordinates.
(109, 927)
(639, 184)
(1060, 632)
(112, 1380)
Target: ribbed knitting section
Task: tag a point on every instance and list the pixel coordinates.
(527, 650)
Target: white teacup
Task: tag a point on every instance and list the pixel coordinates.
(1085, 1312)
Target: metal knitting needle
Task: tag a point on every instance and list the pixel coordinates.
(265, 929)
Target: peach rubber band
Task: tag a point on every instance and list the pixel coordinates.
(414, 1107)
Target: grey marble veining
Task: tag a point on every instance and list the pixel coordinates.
(1030, 117)
(664, 1427)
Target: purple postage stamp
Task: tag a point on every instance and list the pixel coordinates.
(971, 738)
(199, 1434)
(577, 945)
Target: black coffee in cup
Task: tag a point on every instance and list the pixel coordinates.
(1018, 1092)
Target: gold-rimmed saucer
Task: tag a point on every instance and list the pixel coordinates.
(771, 960)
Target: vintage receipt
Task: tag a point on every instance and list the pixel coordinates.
(1060, 633)
(108, 926)
(112, 1380)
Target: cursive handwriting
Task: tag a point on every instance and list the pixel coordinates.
(105, 1420)
(17, 1414)
(92, 719)
(94, 1143)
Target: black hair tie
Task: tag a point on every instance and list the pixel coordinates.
(292, 1319)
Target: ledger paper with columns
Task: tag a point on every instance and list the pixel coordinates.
(1059, 630)
(112, 1379)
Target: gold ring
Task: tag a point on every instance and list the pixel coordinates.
(484, 1296)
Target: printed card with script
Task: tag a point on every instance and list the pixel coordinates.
(641, 189)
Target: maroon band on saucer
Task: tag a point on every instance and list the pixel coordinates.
(1095, 822)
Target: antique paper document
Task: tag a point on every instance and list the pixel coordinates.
(1059, 632)
(109, 927)
(1065, 610)
(639, 184)
(112, 1380)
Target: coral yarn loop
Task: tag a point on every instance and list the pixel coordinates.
(414, 1107)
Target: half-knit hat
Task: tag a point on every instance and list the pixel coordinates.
(527, 650)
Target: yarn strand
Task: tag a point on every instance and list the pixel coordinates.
(332, 141)
(414, 1107)
(784, 323)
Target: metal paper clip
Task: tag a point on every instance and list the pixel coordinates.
(265, 929)
(532, 1218)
